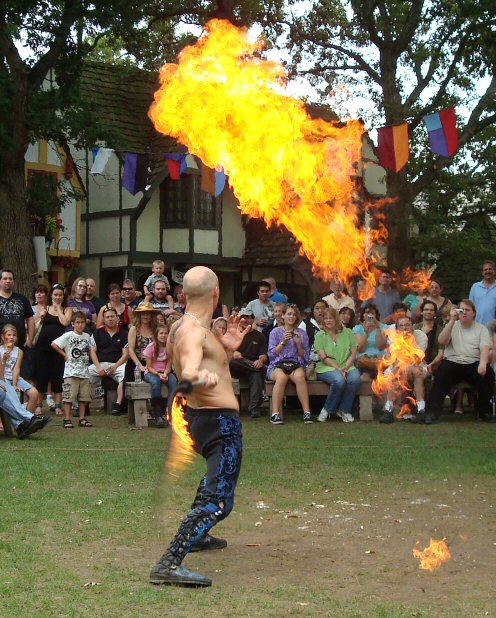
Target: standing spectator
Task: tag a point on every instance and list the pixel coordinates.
(90, 295)
(130, 296)
(73, 347)
(262, 308)
(15, 309)
(109, 353)
(483, 294)
(249, 362)
(442, 303)
(336, 347)
(78, 302)
(161, 298)
(49, 366)
(158, 268)
(339, 298)
(288, 355)
(124, 313)
(466, 356)
(40, 303)
(277, 321)
(275, 295)
(179, 298)
(11, 359)
(432, 327)
(385, 296)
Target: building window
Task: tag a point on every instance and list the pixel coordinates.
(182, 201)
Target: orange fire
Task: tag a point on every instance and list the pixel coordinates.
(433, 556)
(392, 374)
(181, 450)
(416, 280)
(225, 103)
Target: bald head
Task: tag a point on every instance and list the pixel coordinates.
(200, 283)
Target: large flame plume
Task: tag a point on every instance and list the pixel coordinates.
(418, 281)
(223, 101)
(433, 556)
(392, 374)
(181, 451)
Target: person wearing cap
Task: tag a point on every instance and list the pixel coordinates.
(140, 335)
(249, 361)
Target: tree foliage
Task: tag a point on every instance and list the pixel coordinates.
(411, 58)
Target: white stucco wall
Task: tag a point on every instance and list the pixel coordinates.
(104, 235)
(148, 225)
(233, 235)
(175, 240)
(206, 241)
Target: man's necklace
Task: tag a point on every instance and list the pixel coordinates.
(195, 318)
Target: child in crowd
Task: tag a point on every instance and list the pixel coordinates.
(158, 372)
(11, 359)
(158, 267)
(74, 346)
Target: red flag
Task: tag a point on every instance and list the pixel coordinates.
(174, 169)
(393, 146)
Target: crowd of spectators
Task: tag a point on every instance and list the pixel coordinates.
(344, 340)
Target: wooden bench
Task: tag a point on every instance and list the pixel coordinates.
(137, 395)
(8, 430)
(317, 387)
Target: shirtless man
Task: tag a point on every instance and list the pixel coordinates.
(213, 420)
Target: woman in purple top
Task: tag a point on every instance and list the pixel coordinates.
(288, 356)
(78, 302)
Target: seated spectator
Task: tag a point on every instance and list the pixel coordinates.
(347, 317)
(277, 321)
(466, 357)
(140, 335)
(235, 310)
(431, 326)
(219, 327)
(262, 308)
(442, 303)
(339, 298)
(124, 312)
(371, 340)
(158, 267)
(312, 325)
(109, 353)
(415, 298)
(403, 371)
(288, 356)
(336, 347)
(25, 423)
(11, 360)
(158, 372)
(249, 361)
(400, 310)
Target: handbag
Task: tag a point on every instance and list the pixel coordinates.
(367, 362)
(288, 366)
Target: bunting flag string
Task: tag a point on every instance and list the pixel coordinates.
(100, 159)
(393, 146)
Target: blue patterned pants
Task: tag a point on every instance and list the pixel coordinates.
(217, 437)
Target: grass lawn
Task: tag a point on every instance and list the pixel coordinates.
(325, 520)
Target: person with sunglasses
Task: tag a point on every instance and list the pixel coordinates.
(130, 295)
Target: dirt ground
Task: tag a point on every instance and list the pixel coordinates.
(362, 550)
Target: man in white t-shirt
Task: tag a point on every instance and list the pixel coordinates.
(467, 344)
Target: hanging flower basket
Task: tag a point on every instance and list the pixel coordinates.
(64, 261)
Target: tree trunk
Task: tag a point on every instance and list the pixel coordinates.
(16, 236)
(399, 212)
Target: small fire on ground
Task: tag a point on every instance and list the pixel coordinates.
(432, 557)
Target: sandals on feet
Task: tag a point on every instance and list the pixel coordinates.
(85, 423)
(68, 424)
(58, 411)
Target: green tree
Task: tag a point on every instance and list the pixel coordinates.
(43, 45)
(413, 58)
